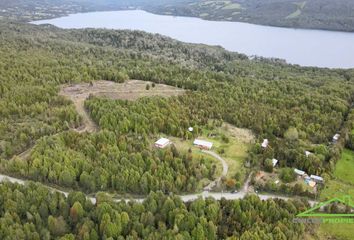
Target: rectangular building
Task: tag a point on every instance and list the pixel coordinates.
(203, 144)
(316, 178)
(299, 172)
(162, 143)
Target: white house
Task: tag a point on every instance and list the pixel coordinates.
(162, 143)
(275, 162)
(299, 172)
(190, 129)
(316, 178)
(203, 144)
(265, 143)
(307, 153)
(335, 137)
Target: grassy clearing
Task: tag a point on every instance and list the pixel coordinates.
(343, 185)
(301, 5)
(336, 231)
(345, 166)
(185, 145)
(344, 182)
(233, 150)
(294, 14)
(335, 188)
(298, 12)
(232, 6)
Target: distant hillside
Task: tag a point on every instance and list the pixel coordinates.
(314, 14)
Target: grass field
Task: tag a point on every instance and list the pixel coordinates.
(233, 152)
(336, 231)
(342, 185)
(232, 6)
(345, 166)
(344, 182)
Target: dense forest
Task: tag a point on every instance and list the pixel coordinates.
(33, 212)
(296, 108)
(316, 14)
(102, 162)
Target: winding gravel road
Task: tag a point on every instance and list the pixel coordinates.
(225, 169)
(185, 198)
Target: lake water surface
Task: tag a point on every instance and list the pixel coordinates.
(297, 46)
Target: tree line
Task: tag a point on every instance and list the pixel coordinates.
(33, 212)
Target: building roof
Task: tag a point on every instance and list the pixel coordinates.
(336, 137)
(265, 143)
(190, 129)
(307, 153)
(274, 161)
(316, 177)
(203, 143)
(162, 141)
(299, 172)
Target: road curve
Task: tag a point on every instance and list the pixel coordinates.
(185, 198)
(225, 169)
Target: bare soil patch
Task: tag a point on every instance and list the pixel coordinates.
(129, 90)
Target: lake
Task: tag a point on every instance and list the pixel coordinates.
(298, 46)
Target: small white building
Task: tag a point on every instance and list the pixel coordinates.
(307, 153)
(162, 143)
(265, 143)
(299, 172)
(335, 137)
(275, 162)
(316, 178)
(190, 129)
(203, 144)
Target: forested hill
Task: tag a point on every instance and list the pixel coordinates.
(315, 14)
(269, 96)
(296, 108)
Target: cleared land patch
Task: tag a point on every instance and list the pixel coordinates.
(345, 166)
(298, 12)
(343, 185)
(232, 6)
(229, 142)
(129, 90)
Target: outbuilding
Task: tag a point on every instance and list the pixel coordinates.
(275, 162)
(299, 172)
(335, 137)
(162, 143)
(203, 144)
(307, 153)
(265, 143)
(316, 178)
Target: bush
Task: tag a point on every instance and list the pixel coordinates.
(287, 175)
(268, 165)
